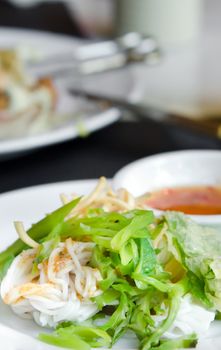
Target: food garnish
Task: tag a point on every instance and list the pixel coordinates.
(102, 266)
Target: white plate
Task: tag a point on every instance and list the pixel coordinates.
(49, 44)
(179, 168)
(29, 205)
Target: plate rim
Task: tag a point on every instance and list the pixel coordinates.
(59, 135)
(47, 184)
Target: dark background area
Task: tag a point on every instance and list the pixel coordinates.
(101, 153)
(50, 17)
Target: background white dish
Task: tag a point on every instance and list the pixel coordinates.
(50, 44)
(29, 205)
(180, 168)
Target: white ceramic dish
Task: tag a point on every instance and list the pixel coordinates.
(180, 168)
(45, 44)
(29, 205)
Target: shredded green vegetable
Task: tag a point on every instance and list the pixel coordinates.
(140, 276)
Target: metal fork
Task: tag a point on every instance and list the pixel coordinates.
(100, 56)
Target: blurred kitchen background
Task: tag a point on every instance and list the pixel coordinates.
(182, 79)
(187, 31)
(104, 17)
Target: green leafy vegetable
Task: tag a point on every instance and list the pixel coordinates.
(69, 342)
(147, 257)
(37, 232)
(77, 337)
(119, 321)
(136, 228)
(200, 254)
(189, 342)
(147, 266)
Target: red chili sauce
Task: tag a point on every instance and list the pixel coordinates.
(198, 200)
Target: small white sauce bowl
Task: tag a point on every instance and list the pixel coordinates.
(173, 169)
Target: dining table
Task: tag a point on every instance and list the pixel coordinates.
(101, 153)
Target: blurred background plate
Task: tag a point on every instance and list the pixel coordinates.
(40, 45)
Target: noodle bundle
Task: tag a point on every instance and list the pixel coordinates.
(61, 288)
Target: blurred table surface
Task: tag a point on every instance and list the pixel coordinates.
(101, 153)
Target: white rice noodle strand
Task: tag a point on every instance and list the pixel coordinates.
(24, 236)
(62, 288)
